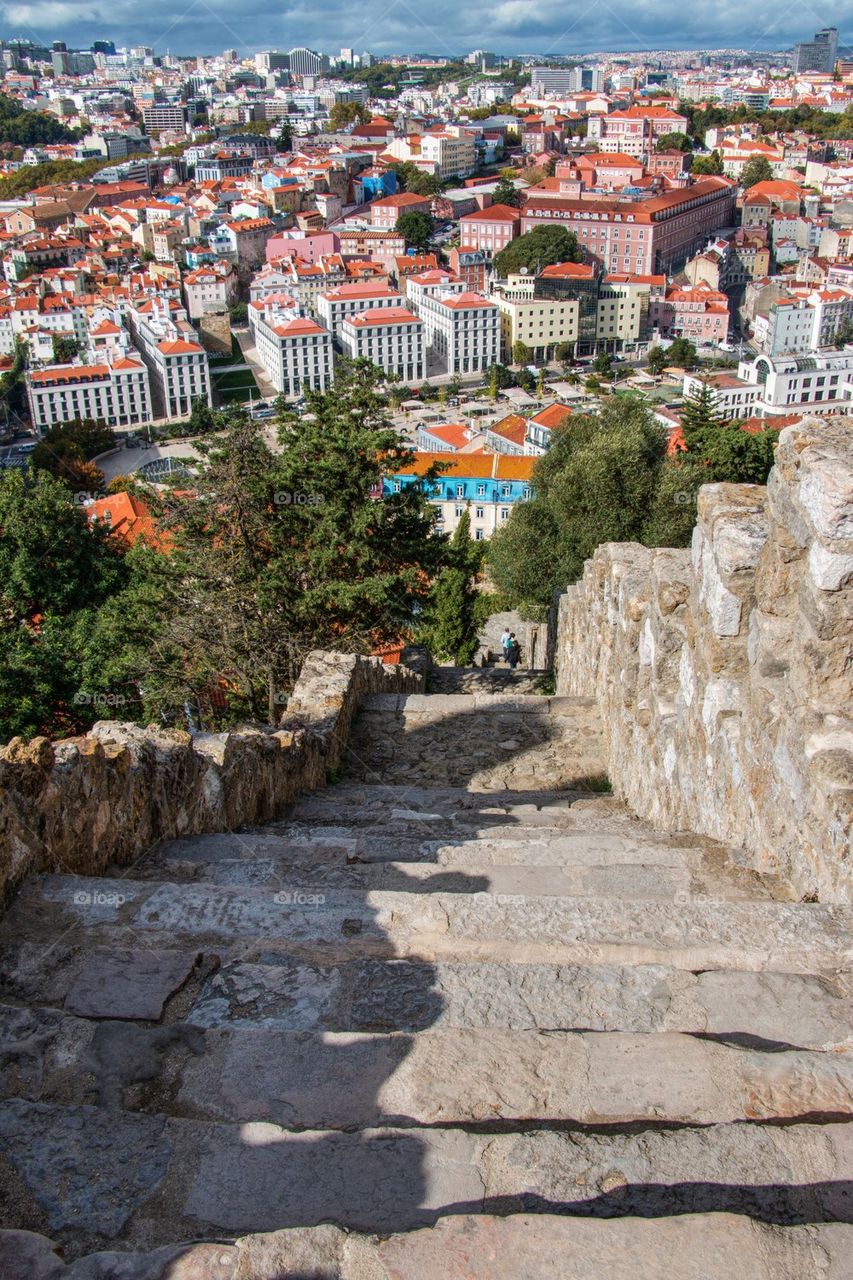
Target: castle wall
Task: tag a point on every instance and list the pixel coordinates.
(77, 805)
(725, 673)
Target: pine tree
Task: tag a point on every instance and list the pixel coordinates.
(700, 417)
(450, 629)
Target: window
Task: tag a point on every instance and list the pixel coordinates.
(479, 513)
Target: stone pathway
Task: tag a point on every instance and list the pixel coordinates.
(461, 1006)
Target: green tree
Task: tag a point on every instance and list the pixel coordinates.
(711, 165)
(238, 313)
(700, 416)
(844, 333)
(758, 169)
(596, 484)
(202, 419)
(415, 227)
(674, 142)
(343, 114)
(734, 456)
(672, 513)
(498, 378)
(65, 349)
(55, 572)
(657, 361)
(66, 452)
(564, 352)
(603, 364)
(521, 353)
(507, 193)
(681, 353)
(274, 554)
(450, 627)
(539, 248)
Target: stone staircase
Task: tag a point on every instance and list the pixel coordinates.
(461, 1007)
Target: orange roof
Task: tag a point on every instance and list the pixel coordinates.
(359, 289)
(551, 416)
(494, 213)
(400, 200)
(568, 270)
(452, 433)
(299, 326)
(127, 516)
(179, 348)
(513, 428)
(70, 373)
(462, 301)
(382, 315)
(473, 466)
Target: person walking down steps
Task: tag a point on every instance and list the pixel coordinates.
(513, 655)
(506, 640)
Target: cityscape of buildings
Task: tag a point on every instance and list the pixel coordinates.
(235, 226)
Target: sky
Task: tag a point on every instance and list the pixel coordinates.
(443, 27)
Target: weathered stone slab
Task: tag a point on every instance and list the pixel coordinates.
(83, 1165)
(128, 983)
(343, 1080)
(689, 1248)
(698, 934)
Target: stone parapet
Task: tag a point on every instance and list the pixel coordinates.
(725, 673)
(80, 804)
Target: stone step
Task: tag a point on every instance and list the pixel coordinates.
(806, 1011)
(612, 879)
(98, 1176)
(343, 924)
(356, 1080)
(483, 741)
(696, 1246)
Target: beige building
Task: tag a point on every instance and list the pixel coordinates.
(623, 309)
(540, 323)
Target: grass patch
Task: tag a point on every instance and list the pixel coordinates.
(237, 378)
(599, 783)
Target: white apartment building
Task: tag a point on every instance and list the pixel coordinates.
(210, 290)
(117, 392)
(821, 382)
(451, 151)
(392, 338)
(427, 282)
(295, 351)
(801, 323)
(348, 299)
(462, 328)
(178, 365)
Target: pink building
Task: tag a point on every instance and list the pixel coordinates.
(310, 246)
(700, 314)
(490, 229)
(612, 172)
(635, 131)
(644, 237)
(385, 212)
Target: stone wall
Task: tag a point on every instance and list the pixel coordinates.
(80, 804)
(725, 673)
